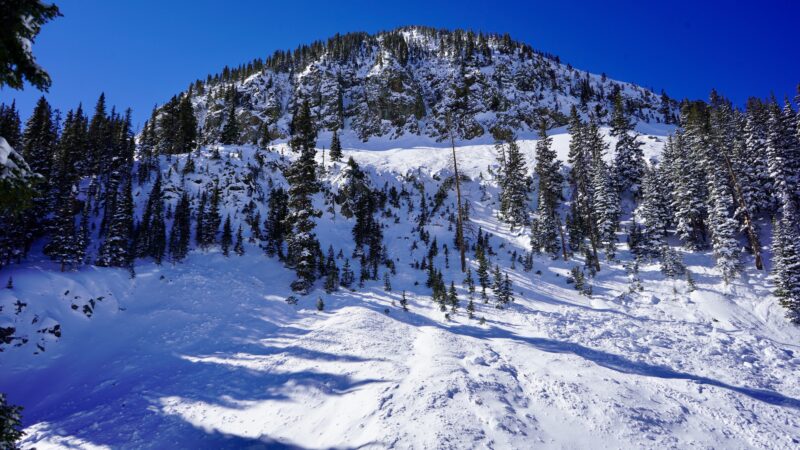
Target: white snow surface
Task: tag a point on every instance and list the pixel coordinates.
(207, 354)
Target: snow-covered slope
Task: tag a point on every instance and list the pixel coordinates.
(412, 81)
(207, 353)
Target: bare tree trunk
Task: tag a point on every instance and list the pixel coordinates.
(459, 221)
(752, 236)
(561, 233)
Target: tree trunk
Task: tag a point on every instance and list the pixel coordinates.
(752, 236)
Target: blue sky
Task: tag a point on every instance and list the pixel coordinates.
(142, 52)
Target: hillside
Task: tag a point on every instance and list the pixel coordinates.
(224, 279)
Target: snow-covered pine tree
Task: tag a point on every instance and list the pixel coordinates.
(690, 188)
(230, 131)
(653, 212)
(629, 161)
(276, 226)
(227, 236)
(515, 186)
(336, 147)
(303, 184)
(238, 246)
(545, 229)
(117, 248)
(180, 234)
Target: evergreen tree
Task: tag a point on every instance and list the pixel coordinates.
(151, 237)
(483, 270)
(336, 147)
(180, 233)
(230, 132)
(10, 424)
(348, 277)
(331, 272)
(116, 250)
(514, 186)
(186, 138)
(209, 219)
(10, 124)
(653, 211)
(22, 21)
(452, 297)
(227, 236)
(671, 263)
(469, 282)
(303, 184)
(238, 247)
(629, 164)
(387, 282)
(545, 228)
(276, 225)
(786, 264)
(404, 301)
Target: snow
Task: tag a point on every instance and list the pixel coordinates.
(207, 353)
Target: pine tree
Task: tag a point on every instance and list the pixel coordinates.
(151, 238)
(238, 247)
(387, 282)
(230, 132)
(469, 282)
(10, 124)
(452, 297)
(585, 153)
(671, 263)
(276, 225)
(545, 228)
(303, 184)
(483, 270)
(629, 164)
(786, 261)
(116, 250)
(653, 211)
(209, 219)
(348, 277)
(336, 147)
(606, 207)
(227, 236)
(331, 272)
(514, 186)
(404, 301)
(10, 424)
(186, 138)
(22, 22)
(180, 233)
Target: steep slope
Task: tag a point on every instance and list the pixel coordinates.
(414, 80)
(208, 354)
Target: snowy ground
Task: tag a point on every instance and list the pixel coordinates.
(207, 354)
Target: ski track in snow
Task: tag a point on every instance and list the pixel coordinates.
(207, 354)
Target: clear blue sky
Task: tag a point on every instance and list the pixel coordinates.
(141, 52)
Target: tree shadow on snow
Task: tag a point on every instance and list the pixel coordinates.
(599, 357)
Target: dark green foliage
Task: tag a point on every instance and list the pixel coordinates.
(227, 237)
(276, 226)
(230, 132)
(336, 147)
(302, 243)
(151, 236)
(238, 246)
(20, 23)
(10, 424)
(180, 234)
(10, 125)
